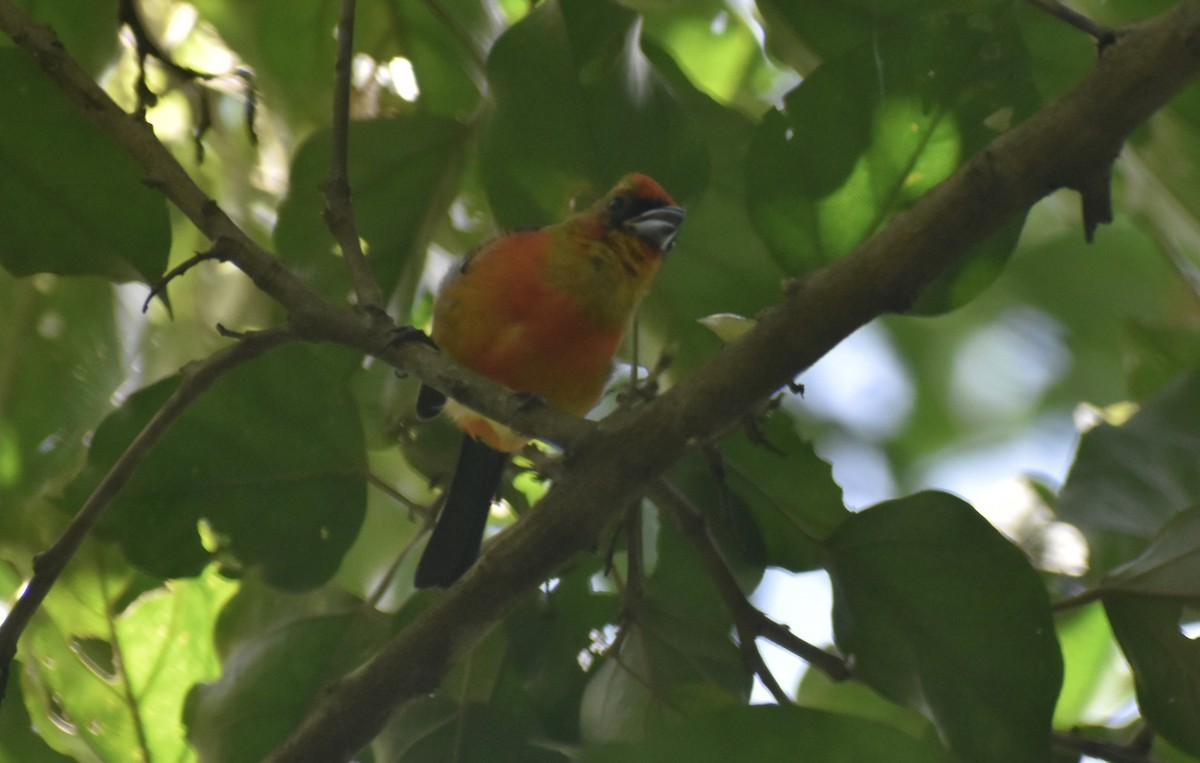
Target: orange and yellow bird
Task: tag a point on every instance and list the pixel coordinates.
(541, 312)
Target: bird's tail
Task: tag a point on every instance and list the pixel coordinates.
(456, 538)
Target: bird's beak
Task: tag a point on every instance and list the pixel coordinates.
(657, 227)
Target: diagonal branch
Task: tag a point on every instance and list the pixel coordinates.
(49, 564)
(159, 167)
(616, 464)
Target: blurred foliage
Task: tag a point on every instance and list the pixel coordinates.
(265, 548)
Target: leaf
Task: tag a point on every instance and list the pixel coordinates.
(856, 699)
(1128, 481)
(403, 173)
(446, 42)
(1165, 663)
(109, 684)
(74, 204)
(546, 635)
(271, 458)
(290, 46)
(1168, 568)
(937, 609)
(1157, 355)
(18, 741)
(717, 243)
(1090, 669)
(87, 28)
(800, 33)
(64, 358)
(270, 682)
(677, 640)
(433, 730)
(577, 105)
(770, 733)
(870, 132)
(791, 492)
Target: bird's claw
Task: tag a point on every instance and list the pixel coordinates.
(406, 334)
(528, 401)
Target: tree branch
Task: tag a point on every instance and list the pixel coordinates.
(48, 565)
(1059, 146)
(160, 169)
(749, 620)
(1103, 35)
(339, 213)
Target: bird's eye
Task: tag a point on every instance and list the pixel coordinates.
(617, 205)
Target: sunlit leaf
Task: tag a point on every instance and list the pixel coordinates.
(110, 682)
(1089, 655)
(870, 132)
(74, 204)
(931, 603)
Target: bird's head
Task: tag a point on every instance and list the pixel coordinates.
(639, 206)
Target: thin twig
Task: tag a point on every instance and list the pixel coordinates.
(339, 212)
(48, 565)
(1103, 35)
(215, 252)
(749, 620)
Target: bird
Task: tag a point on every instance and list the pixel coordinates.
(542, 312)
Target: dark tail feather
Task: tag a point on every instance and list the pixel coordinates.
(456, 538)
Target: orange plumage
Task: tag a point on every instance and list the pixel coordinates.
(541, 312)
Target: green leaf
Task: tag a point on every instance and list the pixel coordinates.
(546, 635)
(446, 42)
(109, 684)
(677, 639)
(87, 28)
(938, 610)
(18, 741)
(770, 733)
(1165, 663)
(717, 244)
(789, 489)
(577, 105)
(74, 204)
(271, 458)
(290, 46)
(1090, 665)
(1157, 355)
(433, 730)
(1128, 481)
(827, 28)
(64, 360)
(1169, 567)
(869, 133)
(856, 699)
(403, 174)
(270, 682)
